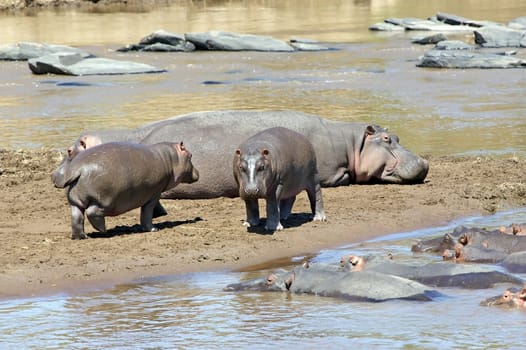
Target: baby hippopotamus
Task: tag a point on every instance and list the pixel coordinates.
(113, 178)
(276, 164)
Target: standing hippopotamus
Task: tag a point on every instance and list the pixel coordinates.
(346, 152)
(277, 164)
(113, 178)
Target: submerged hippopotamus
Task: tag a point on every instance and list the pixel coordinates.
(277, 164)
(512, 298)
(113, 178)
(328, 281)
(437, 274)
(346, 152)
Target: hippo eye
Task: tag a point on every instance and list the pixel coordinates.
(261, 167)
(386, 138)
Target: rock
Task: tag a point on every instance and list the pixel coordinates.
(468, 59)
(411, 23)
(499, 36)
(518, 23)
(386, 27)
(431, 39)
(459, 20)
(227, 41)
(453, 45)
(161, 41)
(23, 51)
(75, 64)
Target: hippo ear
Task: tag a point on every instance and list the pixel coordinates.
(265, 152)
(238, 152)
(290, 280)
(370, 130)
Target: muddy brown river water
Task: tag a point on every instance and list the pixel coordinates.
(370, 77)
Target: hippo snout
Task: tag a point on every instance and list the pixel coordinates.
(252, 192)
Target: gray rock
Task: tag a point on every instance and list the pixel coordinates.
(430, 39)
(411, 23)
(75, 64)
(468, 59)
(459, 20)
(453, 45)
(499, 36)
(227, 41)
(518, 23)
(23, 51)
(386, 27)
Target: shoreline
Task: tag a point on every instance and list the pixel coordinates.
(40, 259)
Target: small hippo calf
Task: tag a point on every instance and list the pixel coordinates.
(113, 178)
(276, 164)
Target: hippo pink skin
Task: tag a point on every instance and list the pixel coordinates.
(346, 152)
(276, 165)
(113, 178)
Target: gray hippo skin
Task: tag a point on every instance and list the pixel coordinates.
(324, 280)
(438, 274)
(113, 178)
(346, 152)
(276, 165)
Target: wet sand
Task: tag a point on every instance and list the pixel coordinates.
(40, 258)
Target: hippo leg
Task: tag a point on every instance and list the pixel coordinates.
(273, 223)
(159, 210)
(316, 200)
(96, 218)
(77, 223)
(252, 209)
(285, 207)
(147, 215)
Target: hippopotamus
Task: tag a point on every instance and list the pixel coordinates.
(325, 280)
(515, 262)
(346, 152)
(113, 178)
(436, 274)
(491, 239)
(473, 253)
(276, 164)
(494, 240)
(512, 298)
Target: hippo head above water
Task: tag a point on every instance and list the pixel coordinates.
(382, 158)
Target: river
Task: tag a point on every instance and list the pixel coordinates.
(370, 77)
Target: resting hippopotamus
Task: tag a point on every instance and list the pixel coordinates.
(491, 239)
(113, 178)
(511, 298)
(473, 253)
(494, 240)
(515, 262)
(346, 152)
(276, 164)
(328, 281)
(437, 274)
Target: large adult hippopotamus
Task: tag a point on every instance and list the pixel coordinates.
(346, 152)
(325, 280)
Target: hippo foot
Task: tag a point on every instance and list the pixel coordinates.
(250, 224)
(277, 227)
(319, 217)
(79, 236)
